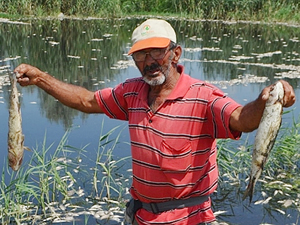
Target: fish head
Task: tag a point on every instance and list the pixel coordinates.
(15, 160)
(276, 94)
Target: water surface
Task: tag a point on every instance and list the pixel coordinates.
(240, 58)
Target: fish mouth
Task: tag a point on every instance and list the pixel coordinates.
(15, 163)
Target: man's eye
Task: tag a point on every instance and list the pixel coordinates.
(139, 54)
(156, 52)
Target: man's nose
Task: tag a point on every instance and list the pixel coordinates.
(148, 59)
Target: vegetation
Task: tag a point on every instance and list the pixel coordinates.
(49, 187)
(266, 10)
(277, 189)
(57, 187)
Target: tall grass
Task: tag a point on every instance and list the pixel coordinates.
(32, 189)
(280, 10)
(279, 185)
(50, 186)
(107, 180)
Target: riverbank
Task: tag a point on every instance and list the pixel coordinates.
(236, 10)
(13, 20)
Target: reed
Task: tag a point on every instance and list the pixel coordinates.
(44, 188)
(51, 181)
(32, 189)
(266, 10)
(279, 185)
(106, 178)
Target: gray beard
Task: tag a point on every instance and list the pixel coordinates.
(155, 81)
(158, 80)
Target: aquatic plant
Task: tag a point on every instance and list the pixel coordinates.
(107, 169)
(57, 186)
(49, 186)
(278, 188)
(46, 179)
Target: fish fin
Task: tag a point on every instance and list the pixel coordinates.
(27, 149)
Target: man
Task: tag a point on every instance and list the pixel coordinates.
(174, 121)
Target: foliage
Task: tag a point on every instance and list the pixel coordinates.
(49, 186)
(280, 10)
(279, 185)
(45, 180)
(107, 169)
(51, 182)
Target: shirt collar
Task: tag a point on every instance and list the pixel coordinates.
(182, 86)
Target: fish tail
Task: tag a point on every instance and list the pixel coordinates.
(250, 190)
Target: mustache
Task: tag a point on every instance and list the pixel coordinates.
(153, 66)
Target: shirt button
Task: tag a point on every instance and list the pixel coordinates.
(150, 121)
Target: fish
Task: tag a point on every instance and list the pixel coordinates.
(266, 134)
(15, 135)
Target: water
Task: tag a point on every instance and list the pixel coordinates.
(240, 58)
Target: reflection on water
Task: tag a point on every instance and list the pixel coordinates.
(241, 58)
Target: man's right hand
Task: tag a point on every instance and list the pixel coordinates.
(27, 74)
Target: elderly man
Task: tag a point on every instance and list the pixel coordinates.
(174, 121)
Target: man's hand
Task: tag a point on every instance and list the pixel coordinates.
(70, 95)
(289, 97)
(27, 74)
(247, 118)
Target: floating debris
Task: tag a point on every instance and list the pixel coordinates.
(213, 49)
(53, 43)
(4, 20)
(107, 35)
(244, 80)
(73, 56)
(267, 54)
(97, 39)
(241, 57)
(122, 64)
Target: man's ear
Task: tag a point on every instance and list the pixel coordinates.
(177, 54)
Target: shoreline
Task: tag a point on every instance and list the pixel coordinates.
(61, 16)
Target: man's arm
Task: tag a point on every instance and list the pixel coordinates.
(247, 118)
(70, 95)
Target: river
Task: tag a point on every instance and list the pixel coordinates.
(239, 57)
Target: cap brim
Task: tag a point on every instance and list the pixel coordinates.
(155, 42)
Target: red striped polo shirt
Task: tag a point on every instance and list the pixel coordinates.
(173, 149)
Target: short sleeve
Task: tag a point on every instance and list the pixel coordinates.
(220, 108)
(112, 102)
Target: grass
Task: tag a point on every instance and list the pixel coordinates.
(50, 187)
(106, 169)
(266, 10)
(278, 188)
(46, 179)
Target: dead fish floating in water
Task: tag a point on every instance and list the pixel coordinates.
(265, 136)
(15, 135)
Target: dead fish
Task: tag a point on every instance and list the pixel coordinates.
(265, 136)
(15, 135)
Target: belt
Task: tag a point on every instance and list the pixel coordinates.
(158, 207)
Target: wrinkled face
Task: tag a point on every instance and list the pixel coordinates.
(154, 64)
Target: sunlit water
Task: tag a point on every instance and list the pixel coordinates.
(240, 58)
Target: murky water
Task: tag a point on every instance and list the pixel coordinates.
(240, 58)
